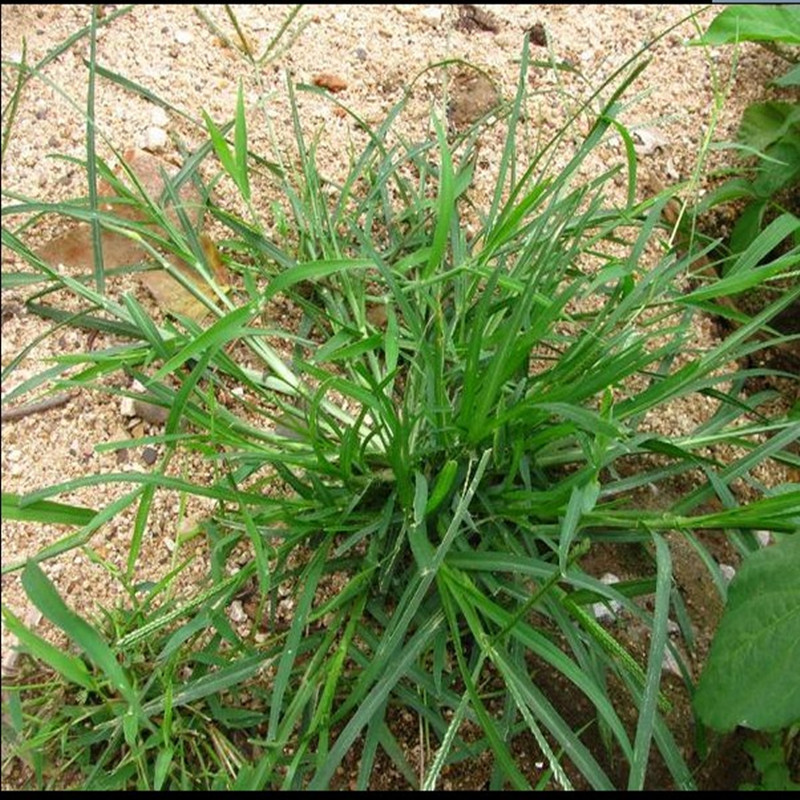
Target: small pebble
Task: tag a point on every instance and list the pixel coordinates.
(607, 611)
(183, 36)
(126, 407)
(149, 412)
(236, 612)
(155, 139)
(669, 664)
(432, 15)
(728, 572)
(149, 456)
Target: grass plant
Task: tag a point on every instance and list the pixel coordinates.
(458, 418)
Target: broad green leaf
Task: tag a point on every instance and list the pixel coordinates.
(754, 23)
(751, 675)
(764, 124)
(791, 78)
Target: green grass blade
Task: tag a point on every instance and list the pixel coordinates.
(45, 511)
(445, 205)
(69, 667)
(395, 670)
(290, 650)
(45, 597)
(240, 147)
(658, 641)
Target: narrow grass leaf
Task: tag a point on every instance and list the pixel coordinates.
(69, 667)
(240, 146)
(658, 641)
(445, 204)
(313, 270)
(224, 330)
(291, 646)
(399, 665)
(45, 511)
(45, 597)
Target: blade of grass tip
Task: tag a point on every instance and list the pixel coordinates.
(276, 38)
(509, 149)
(225, 329)
(91, 163)
(582, 500)
(45, 512)
(147, 94)
(139, 528)
(445, 204)
(221, 147)
(240, 146)
(245, 44)
(630, 155)
(658, 641)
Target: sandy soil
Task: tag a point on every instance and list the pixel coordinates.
(373, 52)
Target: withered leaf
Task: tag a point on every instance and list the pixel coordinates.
(326, 80)
(74, 248)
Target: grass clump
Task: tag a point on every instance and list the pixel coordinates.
(458, 419)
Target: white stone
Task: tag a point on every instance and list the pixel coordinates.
(236, 612)
(727, 572)
(647, 141)
(126, 408)
(155, 138)
(183, 36)
(432, 15)
(669, 664)
(608, 610)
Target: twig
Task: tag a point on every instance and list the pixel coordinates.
(9, 414)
